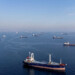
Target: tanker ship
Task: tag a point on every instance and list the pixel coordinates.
(31, 62)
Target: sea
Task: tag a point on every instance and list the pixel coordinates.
(13, 50)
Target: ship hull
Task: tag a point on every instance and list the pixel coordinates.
(57, 38)
(45, 66)
(69, 44)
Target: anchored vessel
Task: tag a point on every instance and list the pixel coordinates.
(54, 37)
(68, 44)
(3, 36)
(31, 62)
(23, 36)
(35, 34)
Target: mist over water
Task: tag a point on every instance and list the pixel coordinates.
(13, 50)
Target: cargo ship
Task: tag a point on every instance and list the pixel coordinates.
(31, 62)
(54, 37)
(68, 44)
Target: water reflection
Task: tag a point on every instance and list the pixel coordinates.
(29, 70)
(56, 73)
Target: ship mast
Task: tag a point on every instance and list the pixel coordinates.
(60, 61)
(32, 56)
(49, 58)
(29, 54)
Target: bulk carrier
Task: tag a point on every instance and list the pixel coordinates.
(31, 62)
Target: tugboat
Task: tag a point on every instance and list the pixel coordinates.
(68, 44)
(31, 62)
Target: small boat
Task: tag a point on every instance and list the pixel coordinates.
(35, 34)
(3, 36)
(31, 62)
(64, 33)
(68, 44)
(17, 32)
(54, 37)
(23, 36)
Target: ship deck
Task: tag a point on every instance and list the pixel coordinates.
(52, 63)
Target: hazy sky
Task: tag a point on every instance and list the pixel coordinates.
(37, 15)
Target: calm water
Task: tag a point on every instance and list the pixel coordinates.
(13, 50)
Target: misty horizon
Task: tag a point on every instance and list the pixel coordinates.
(37, 16)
